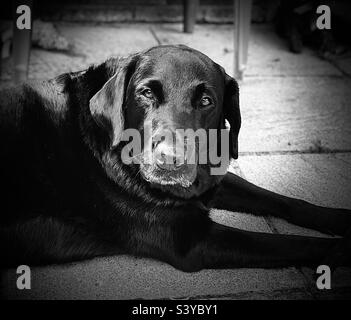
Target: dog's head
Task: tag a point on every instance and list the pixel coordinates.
(177, 100)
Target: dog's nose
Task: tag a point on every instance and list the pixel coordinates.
(167, 158)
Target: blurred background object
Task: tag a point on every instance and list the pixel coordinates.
(296, 21)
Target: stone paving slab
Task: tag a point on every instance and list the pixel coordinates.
(323, 179)
(295, 113)
(99, 42)
(268, 54)
(93, 44)
(318, 178)
(126, 277)
(245, 221)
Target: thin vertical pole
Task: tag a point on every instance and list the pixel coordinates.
(21, 45)
(242, 21)
(190, 8)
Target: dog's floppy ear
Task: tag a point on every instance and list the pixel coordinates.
(232, 113)
(106, 106)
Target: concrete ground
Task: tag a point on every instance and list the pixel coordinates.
(295, 140)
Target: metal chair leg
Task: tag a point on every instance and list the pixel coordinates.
(190, 9)
(242, 21)
(21, 48)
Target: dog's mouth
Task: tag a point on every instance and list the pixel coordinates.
(183, 177)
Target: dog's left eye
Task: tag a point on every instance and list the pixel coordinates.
(148, 93)
(205, 101)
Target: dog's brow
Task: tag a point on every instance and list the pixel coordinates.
(156, 86)
(200, 88)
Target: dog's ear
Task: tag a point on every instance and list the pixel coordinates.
(106, 106)
(232, 113)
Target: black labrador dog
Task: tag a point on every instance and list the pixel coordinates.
(66, 194)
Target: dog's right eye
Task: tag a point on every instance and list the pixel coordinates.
(148, 93)
(205, 102)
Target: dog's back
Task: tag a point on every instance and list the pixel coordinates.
(30, 121)
(38, 176)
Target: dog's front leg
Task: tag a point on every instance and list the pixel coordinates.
(237, 194)
(225, 247)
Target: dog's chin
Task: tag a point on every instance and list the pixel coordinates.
(170, 181)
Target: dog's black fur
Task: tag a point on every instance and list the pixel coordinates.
(66, 195)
